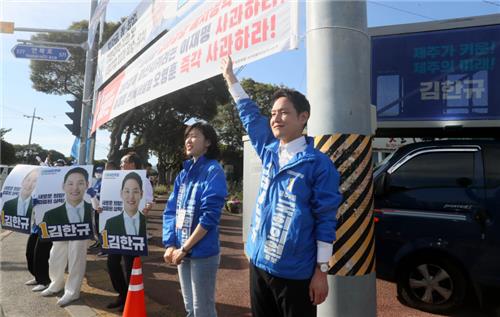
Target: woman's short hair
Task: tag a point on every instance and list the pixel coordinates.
(134, 176)
(209, 133)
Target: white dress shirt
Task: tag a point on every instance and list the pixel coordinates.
(75, 214)
(288, 150)
(237, 92)
(22, 206)
(131, 223)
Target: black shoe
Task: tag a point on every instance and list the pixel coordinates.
(117, 303)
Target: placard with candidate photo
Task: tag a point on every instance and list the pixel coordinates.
(63, 209)
(17, 198)
(122, 225)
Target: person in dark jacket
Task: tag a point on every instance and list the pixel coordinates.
(73, 253)
(120, 275)
(191, 220)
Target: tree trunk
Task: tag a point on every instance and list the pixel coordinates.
(115, 139)
(162, 169)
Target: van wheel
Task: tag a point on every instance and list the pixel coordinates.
(431, 284)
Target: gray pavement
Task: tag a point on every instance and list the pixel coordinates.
(17, 299)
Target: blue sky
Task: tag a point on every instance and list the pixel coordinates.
(18, 98)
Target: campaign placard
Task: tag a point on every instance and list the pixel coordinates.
(63, 209)
(122, 225)
(17, 198)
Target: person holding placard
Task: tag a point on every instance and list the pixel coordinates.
(130, 221)
(120, 277)
(69, 253)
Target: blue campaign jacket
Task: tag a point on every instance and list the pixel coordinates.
(200, 191)
(296, 205)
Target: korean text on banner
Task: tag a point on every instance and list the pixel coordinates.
(191, 51)
(146, 22)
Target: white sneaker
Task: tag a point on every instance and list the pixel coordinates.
(39, 287)
(31, 282)
(48, 292)
(65, 300)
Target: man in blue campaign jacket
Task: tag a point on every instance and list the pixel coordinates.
(293, 227)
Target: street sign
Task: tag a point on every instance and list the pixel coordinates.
(42, 53)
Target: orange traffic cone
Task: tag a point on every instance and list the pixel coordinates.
(135, 306)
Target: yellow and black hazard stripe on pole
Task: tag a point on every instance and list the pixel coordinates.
(354, 249)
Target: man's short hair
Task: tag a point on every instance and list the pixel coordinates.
(77, 170)
(133, 157)
(299, 101)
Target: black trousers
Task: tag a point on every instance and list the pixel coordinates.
(37, 258)
(279, 297)
(120, 275)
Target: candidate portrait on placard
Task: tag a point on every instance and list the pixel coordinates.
(17, 202)
(123, 225)
(63, 204)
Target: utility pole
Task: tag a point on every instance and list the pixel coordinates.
(33, 117)
(338, 84)
(88, 90)
(94, 98)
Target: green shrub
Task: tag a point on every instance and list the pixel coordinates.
(161, 189)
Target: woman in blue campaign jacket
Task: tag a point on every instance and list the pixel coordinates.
(191, 220)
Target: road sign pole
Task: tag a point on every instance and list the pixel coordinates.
(88, 89)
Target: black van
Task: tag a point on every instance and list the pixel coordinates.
(437, 219)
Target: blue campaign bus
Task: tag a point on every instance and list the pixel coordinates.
(437, 79)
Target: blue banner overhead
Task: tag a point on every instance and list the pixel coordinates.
(439, 75)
